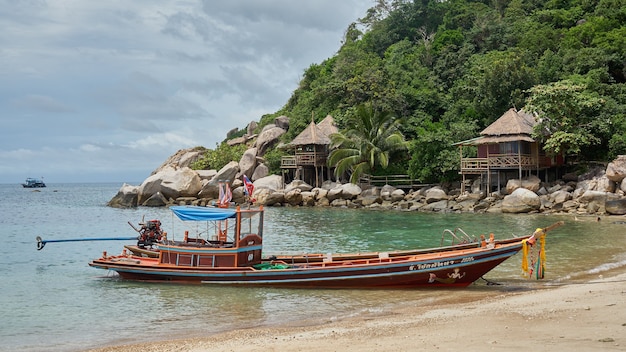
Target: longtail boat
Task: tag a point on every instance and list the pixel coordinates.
(232, 255)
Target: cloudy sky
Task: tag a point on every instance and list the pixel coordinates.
(105, 91)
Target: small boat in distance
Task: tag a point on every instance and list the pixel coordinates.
(231, 254)
(33, 183)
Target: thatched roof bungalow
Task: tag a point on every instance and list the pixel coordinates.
(506, 149)
(311, 149)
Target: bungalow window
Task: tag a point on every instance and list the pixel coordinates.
(514, 148)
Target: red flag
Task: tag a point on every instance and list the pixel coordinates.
(248, 187)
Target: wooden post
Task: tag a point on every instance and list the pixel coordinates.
(488, 173)
(519, 160)
(462, 172)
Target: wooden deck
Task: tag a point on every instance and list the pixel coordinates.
(303, 159)
(499, 162)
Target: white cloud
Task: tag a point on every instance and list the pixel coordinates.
(118, 86)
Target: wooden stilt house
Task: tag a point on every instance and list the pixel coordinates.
(310, 153)
(506, 150)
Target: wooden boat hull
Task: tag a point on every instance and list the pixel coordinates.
(319, 257)
(448, 267)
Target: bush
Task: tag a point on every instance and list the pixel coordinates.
(218, 158)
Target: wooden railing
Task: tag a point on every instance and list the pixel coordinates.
(499, 161)
(303, 159)
(398, 181)
(288, 162)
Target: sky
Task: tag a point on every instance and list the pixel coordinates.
(106, 91)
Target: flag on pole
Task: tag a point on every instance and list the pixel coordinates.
(229, 194)
(248, 187)
(226, 195)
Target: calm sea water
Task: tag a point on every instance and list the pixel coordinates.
(51, 300)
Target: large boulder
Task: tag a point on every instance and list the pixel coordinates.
(206, 174)
(294, 196)
(261, 195)
(438, 206)
(299, 184)
(334, 193)
(308, 198)
(521, 200)
(350, 191)
(397, 195)
(260, 171)
(151, 185)
(271, 182)
(604, 184)
(435, 194)
(156, 200)
(372, 191)
(239, 196)
(211, 189)
(183, 182)
(126, 197)
(616, 170)
(531, 183)
(386, 191)
(560, 197)
(269, 137)
(593, 196)
(251, 127)
(320, 193)
(616, 206)
(272, 198)
(182, 158)
(328, 185)
(368, 200)
(248, 162)
(282, 122)
(172, 183)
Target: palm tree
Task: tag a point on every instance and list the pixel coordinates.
(369, 142)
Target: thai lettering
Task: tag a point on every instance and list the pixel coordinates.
(432, 265)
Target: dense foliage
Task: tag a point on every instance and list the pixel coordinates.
(448, 69)
(370, 141)
(218, 158)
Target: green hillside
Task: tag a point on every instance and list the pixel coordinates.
(447, 69)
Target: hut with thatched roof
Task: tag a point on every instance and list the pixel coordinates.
(506, 150)
(310, 153)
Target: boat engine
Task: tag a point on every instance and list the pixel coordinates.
(149, 234)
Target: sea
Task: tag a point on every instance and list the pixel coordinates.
(51, 300)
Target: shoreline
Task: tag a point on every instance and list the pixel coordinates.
(583, 315)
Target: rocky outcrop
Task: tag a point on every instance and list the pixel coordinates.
(211, 189)
(616, 170)
(126, 197)
(182, 158)
(595, 193)
(521, 200)
(247, 164)
(268, 138)
(616, 207)
(532, 183)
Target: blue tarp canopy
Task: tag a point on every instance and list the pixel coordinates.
(191, 213)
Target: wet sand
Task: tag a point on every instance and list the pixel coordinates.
(583, 316)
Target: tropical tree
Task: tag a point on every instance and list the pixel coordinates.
(370, 141)
(572, 117)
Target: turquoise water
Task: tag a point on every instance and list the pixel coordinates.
(53, 301)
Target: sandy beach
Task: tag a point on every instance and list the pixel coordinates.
(583, 316)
